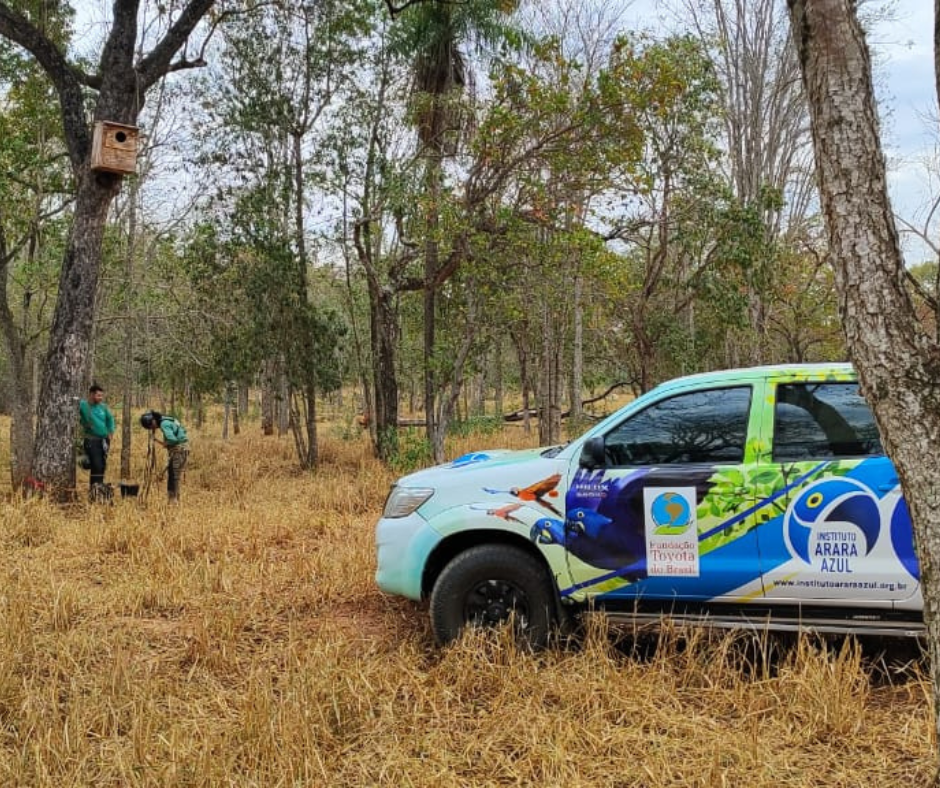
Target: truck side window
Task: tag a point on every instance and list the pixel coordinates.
(821, 421)
(699, 427)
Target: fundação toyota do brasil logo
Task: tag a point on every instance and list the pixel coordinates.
(670, 513)
(826, 509)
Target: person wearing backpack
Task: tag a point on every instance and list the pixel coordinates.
(176, 443)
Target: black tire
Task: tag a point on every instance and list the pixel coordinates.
(489, 584)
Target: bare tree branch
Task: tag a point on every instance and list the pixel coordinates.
(159, 61)
(394, 10)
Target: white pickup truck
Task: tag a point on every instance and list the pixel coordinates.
(744, 497)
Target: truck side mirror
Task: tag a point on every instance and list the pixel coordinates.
(593, 454)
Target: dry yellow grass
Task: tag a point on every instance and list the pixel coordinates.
(239, 640)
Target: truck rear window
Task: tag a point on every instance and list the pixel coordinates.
(821, 421)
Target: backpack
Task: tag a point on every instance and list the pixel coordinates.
(173, 431)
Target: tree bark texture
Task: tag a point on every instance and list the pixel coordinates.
(897, 361)
(384, 334)
(577, 348)
(550, 384)
(283, 399)
(71, 335)
(130, 376)
(21, 389)
(431, 257)
(243, 398)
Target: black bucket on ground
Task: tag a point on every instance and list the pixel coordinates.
(129, 490)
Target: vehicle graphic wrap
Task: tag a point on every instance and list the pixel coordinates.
(846, 535)
(902, 539)
(824, 524)
(618, 521)
(831, 523)
(814, 530)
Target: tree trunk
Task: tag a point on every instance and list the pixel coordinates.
(70, 336)
(384, 335)
(243, 399)
(477, 407)
(21, 385)
(577, 355)
(498, 378)
(550, 385)
(21, 433)
(525, 384)
(128, 339)
(283, 400)
(226, 411)
(236, 418)
(268, 397)
(431, 255)
(199, 409)
(898, 361)
(310, 459)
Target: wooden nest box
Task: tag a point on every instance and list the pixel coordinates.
(114, 147)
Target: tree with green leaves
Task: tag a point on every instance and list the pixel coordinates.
(284, 66)
(34, 196)
(376, 186)
(115, 90)
(437, 33)
(664, 212)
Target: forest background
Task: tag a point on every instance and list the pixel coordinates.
(448, 217)
(346, 218)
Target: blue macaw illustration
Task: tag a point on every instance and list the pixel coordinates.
(853, 504)
(587, 535)
(587, 522)
(902, 539)
(548, 530)
(604, 524)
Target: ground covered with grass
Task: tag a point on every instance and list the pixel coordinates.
(239, 639)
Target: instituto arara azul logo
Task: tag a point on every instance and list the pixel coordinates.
(832, 524)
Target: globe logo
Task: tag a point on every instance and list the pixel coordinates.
(671, 513)
(832, 521)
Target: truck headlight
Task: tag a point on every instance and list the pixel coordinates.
(402, 501)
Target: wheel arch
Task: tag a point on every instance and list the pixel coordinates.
(457, 543)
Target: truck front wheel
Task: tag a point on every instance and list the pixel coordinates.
(489, 585)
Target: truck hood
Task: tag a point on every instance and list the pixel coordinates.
(491, 478)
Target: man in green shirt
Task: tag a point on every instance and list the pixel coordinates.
(98, 428)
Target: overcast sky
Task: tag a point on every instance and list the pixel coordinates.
(904, 78)
(908, 107)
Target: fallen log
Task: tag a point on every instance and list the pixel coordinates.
(517, 415)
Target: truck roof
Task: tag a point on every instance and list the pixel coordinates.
(833, 370)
